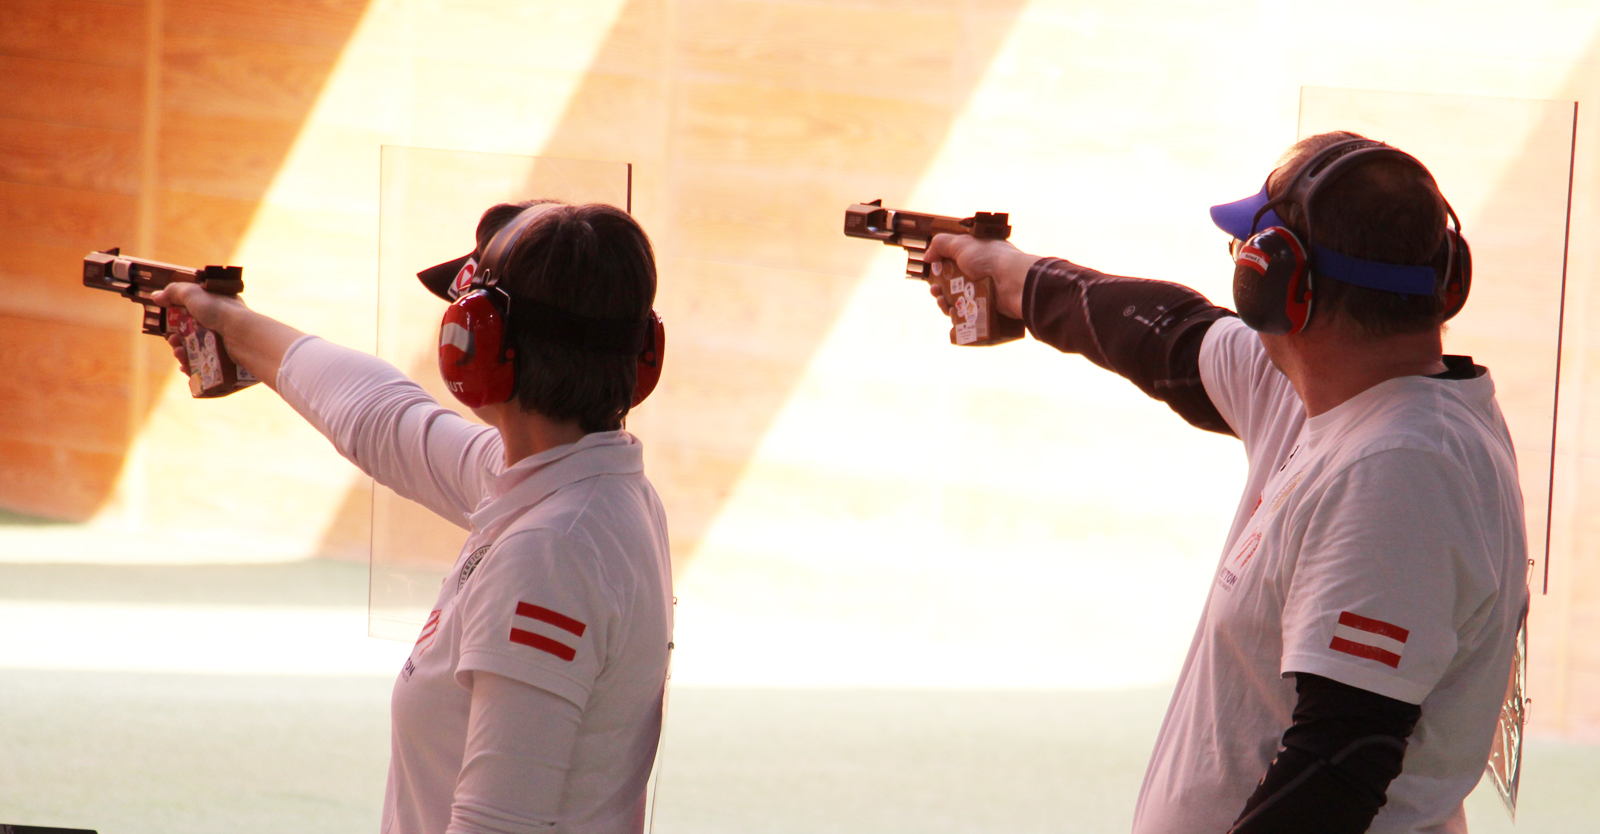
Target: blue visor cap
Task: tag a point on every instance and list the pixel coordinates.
(1238, 219)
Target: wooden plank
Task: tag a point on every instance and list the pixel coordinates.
(68, 217)
(44, 282)
(52, 482)
(223, 156)
(779, 127)
(866, 51)
(588, 128)
(68, 92)
(744, 310)
(791, 220)
(64, 385)
(721, 402)
(636, 45)
(326, 23)
(74, 30)
(230, 77)
(69, 156)
(694, 484)
(198, 228)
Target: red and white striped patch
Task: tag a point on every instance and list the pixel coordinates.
(1370, 639)
(534, 639)
(429, 628)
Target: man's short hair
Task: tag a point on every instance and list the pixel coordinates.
(1386, 210)
(590, 260)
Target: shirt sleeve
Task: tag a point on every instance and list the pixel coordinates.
(520, 743)
(386, 424)
(1382, 588)
(536, 611)
(1250, 393)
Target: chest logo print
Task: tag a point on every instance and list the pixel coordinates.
(471, 565)
(539, 641)
(1371, 639)
(1283, 494)
(1228, 574)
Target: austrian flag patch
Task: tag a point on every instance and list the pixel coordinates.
(1368, 638)
(534, 639)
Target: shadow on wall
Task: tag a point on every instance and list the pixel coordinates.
(751, 126)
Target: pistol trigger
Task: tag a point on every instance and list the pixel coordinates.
(917, 264)
(155, 320)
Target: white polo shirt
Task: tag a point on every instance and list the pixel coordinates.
(1380, 544)
(564, 585)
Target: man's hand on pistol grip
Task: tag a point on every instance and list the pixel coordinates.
(979, 258)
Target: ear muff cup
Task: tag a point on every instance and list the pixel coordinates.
(1272, 284)
(1458, 275)
(477, 365)
(650, 360)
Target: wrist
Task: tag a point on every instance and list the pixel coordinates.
(1012, 277)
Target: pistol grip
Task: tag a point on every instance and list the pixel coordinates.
(975, 318)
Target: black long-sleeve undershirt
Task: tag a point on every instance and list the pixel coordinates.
(1332, 773)
(1147, 331)
(1345, 744)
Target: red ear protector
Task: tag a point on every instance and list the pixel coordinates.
(477, 361)
(1274, 273)
(477, 365)
(1272, 282)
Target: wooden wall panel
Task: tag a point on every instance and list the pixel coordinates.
(913, 53)
(751, 125)
(49, 480)
(56, 384)
(222, 156)
(70, 114)
(43, 282)
(82, 31)
(77, 166)
(200, 228)
(68, 92)
(69, 156)
(67, 216)
(233, 77)
(317, 23)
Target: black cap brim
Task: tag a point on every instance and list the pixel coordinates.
(439, 279)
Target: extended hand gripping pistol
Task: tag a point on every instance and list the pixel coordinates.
(212, 373)
(972, 301)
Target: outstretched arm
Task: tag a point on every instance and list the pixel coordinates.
(1147, 331)
(372, 413)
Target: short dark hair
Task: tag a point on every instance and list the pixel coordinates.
(1386, 210)
(589, 260)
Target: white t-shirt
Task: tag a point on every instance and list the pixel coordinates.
(563, 586)
(1380, 544)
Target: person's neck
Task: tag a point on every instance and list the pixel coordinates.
(527, 433)
(1333, 361)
